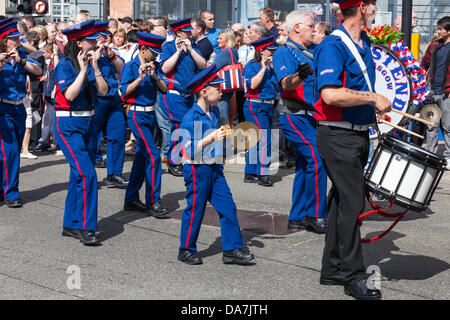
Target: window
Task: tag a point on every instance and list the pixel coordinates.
(193, 8)
(171, 9)
(56, 10)
(66, 10)
(281, 7)
(223, 13)
(148, 9)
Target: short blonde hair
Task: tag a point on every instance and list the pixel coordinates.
(228, 34)
(41, 31)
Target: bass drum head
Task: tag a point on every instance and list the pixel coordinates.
(393, 82)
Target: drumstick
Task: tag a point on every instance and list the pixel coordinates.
(403, 129)
(413, 117)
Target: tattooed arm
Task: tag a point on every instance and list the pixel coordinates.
(291, 82)
(344, 97)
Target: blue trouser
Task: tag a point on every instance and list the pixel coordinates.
(257, 160)
(166, 127)
(12, 130)
(309, 194)
(110, 122)
(207, 183)
(224, 106)
(77, 138)
(146, 160)
(175, 107)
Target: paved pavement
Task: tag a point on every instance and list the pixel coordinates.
(138, 258)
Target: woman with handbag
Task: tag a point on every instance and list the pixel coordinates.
(261, 92)
(228, 56)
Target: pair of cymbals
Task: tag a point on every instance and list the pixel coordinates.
(431, 112)
(244, 136)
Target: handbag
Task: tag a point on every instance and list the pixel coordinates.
(233, 76)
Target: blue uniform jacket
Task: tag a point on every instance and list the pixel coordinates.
(185, 69)
(285, 62)
(268, 88)
(145, 93)
(335, 65)
(13, 79)
(106, 66)
(65, 75)
(195, 126)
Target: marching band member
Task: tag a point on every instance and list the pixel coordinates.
(139, 84)
(204, 178)
(344, 112)
(180, 61)
(258, 109)
(109, 111)
(14, 68)
(293, 67)
(78, 80)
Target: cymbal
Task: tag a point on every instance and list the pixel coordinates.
(431, 112)
(244, 136)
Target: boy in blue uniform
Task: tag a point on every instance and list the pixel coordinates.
(180, 61)
(204, 178)
(109, 112)
(78, 80)
(261, 91)
(139, 84)
(293, 67)
(345, 111)
(14, 69)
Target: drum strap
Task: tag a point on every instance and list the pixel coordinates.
(351, 46)
(380, 211)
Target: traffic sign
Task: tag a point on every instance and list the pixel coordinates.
(40, 7)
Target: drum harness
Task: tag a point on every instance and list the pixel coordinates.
(376, 208)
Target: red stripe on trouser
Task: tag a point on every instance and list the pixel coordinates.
(6, 168)
(79, 170)
(316, 166)
(193, 206)
(151, 155)
(262, 135)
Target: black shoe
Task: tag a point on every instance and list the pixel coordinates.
(54, 148)
(237, 256)
(331, 281)
(297, 225)
(265, 181)
(100, 164)
(89, 238)
(74, 233)
(135, 206)
(41, 147)
(14, 203)
(251, 178)
(116, 181)
(360, 291)
(189, 257)
(157, 210)
(177, 171)
(317, 225)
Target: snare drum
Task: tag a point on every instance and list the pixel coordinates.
(402, 170)
(394, 82)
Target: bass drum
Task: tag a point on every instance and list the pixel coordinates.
(394, 82)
